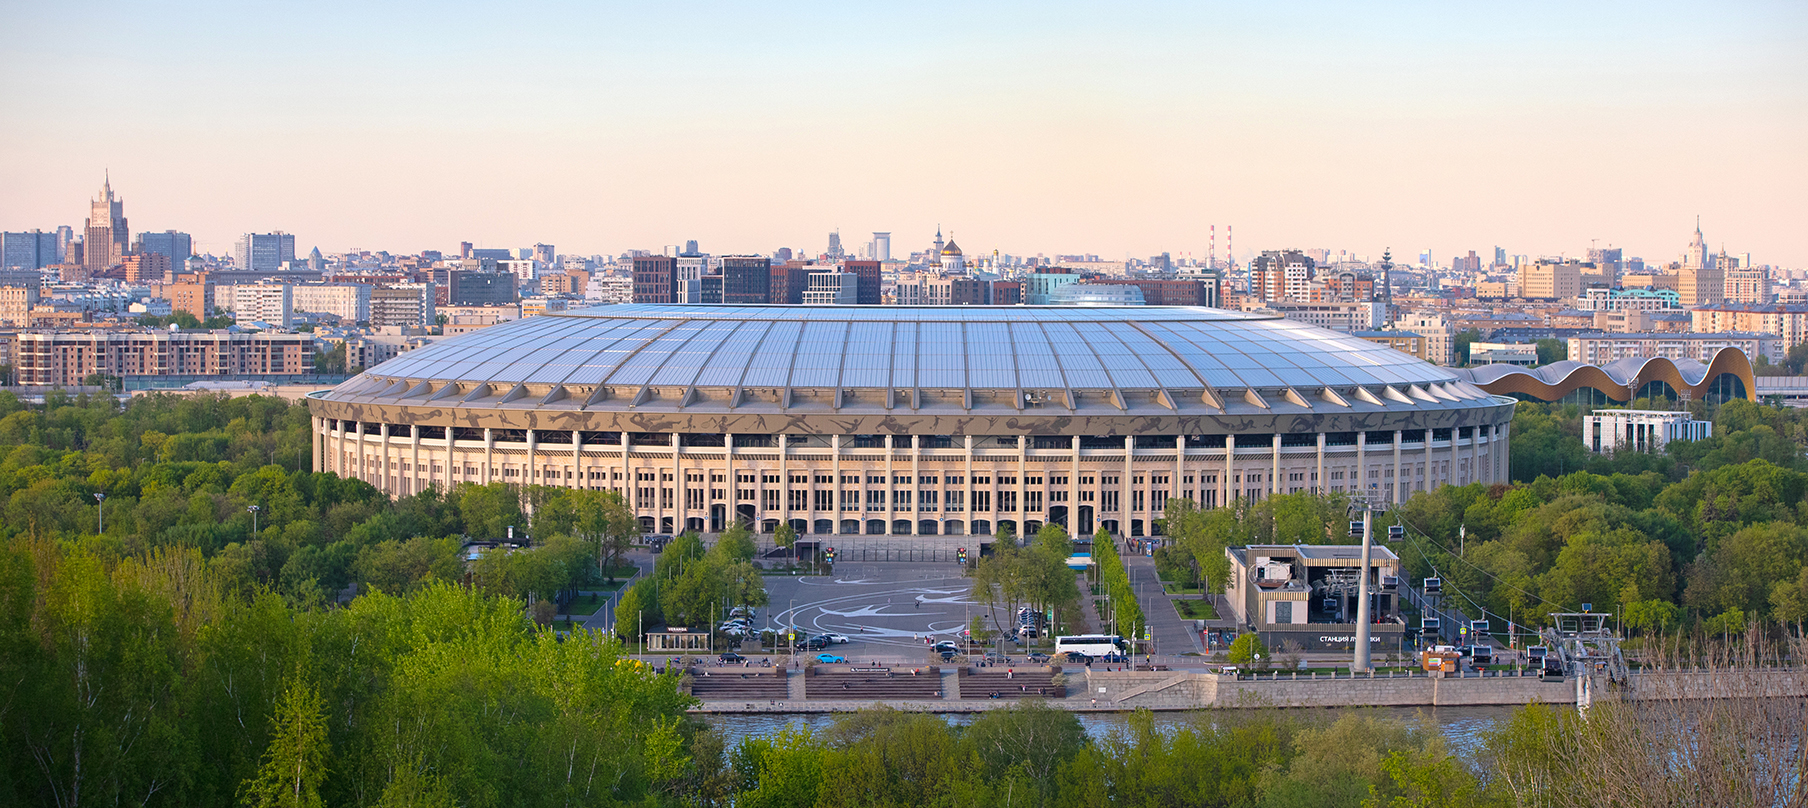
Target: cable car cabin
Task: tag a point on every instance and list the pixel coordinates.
(1434, 586)
(1536, 653)
(1430, 624)
(1355, 530)
(1550, 669)
(1395, 532)
(1478, 626)
(1481, 654)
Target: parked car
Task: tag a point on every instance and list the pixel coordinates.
(828, 659)
(1077, 657)
(947, 646)
(1038, 656)
(814, 643)
(731, 656)
(837, 639)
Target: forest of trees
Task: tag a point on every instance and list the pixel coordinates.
(1712, 534)
(177, 656)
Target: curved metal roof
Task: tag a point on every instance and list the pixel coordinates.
(1558, 379)
(880, 347)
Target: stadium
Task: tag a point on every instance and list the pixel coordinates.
(912, 421)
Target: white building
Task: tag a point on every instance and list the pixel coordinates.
(1345, 317)
(1439, 334)
(402, 304)
(832, 288)
(1602, 348)
(350, 302)
(1609, 431)
(271, 303)
(1508, 353)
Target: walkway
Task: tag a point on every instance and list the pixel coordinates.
(604, 618)
(1173, 635)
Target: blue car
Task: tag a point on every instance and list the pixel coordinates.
(829, 658)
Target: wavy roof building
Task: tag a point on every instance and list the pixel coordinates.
(1728, 375)
(912, 420)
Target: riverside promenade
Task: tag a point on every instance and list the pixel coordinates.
(1110, 691)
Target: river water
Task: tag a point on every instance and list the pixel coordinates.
(1463, 727)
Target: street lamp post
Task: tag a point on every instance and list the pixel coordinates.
(253, 509)
(100, 505)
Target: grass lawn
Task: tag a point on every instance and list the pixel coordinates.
(1173, 588)
(585, 605)
(1196, 609)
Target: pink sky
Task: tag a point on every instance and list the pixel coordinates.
(1024, 128)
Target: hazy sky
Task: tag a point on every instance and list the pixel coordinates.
(1036, 127)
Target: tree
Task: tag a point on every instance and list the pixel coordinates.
(1247, 648)
(784, 536)
(1460, 345)
(1551, 350)
(295, 761)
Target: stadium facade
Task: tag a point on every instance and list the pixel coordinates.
(912, 420)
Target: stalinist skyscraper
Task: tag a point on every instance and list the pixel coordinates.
(105, 242)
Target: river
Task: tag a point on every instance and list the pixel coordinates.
(1463, 727)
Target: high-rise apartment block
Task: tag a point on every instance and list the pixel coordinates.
(31, 250)
(747, 279)
(832, 288)
(194, 297)
(349, 302)
(655, 279)
(148, 267)
(63, 359)
(271, 303)
(1551, 279)
(480, 288)
(402, 304)
(178, 246)
(1281, 275)
(868, 273)
(106, 232)
(881, 247)
(264, 252)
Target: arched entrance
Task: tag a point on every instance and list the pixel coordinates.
(1110, 526)
(928, 527)
(646, 524)
(954, 527)
(801, 526)
(1008, 525)
(1057, 515)
(665, 524)
(768, 525)
(982, 527)
(718, 518)
(746, 514)
(694, 524)
(1084, 524)
(900, 527)
(1136, 527)
(850, 527)
(875, 527)
(1030, 526)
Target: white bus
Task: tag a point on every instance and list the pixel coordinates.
(1092, 645)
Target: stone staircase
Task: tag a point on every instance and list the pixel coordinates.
(1010, 683)
(856, 683)
(739, 684)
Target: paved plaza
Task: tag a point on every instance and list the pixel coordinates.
(886, 610)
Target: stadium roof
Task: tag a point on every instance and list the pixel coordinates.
(854, 347)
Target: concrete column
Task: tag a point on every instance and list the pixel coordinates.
(1318, 482)
(533, 458)
(1362, 463)
(1274, 476)
(1428, 472)
(1399, 485)
(577, 460)
(835, 469)
(1230, 467)
(1023, 464)
(729, 513)
(1456, 472)
(916, 483)
(338, 464)
(1129, 484)
(627, 473)
(383, 466)
(414, 460)
(1179, 466)
(967, 514)
(891, 443)
(678, 483)
(489, 455)
(784, 479)
(1073, 508)
(316, 437)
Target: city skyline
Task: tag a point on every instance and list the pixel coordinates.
(1059, 130)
